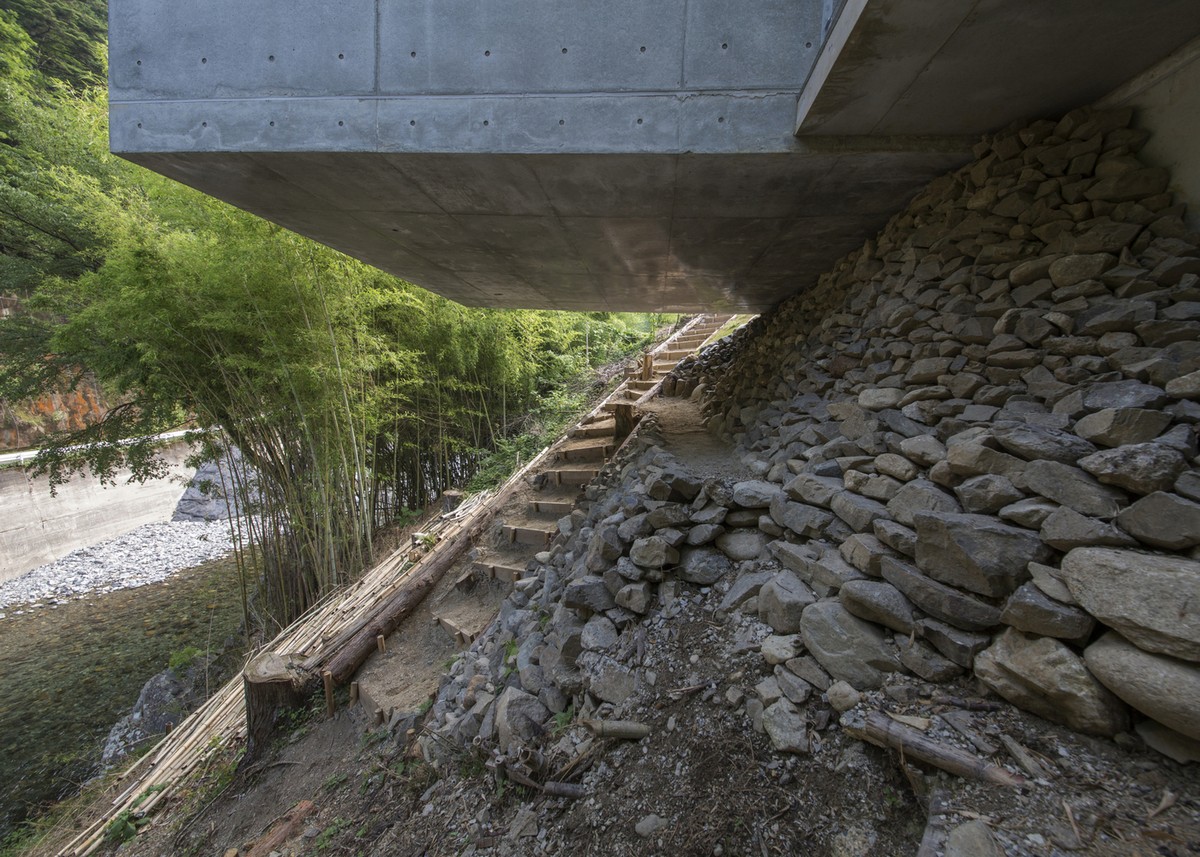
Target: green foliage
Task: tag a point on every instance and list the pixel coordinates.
(69, 36)
(184, 658)
(353, 397)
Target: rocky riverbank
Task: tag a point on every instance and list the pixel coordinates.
(149, 554)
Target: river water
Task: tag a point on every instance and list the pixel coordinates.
(68, 672)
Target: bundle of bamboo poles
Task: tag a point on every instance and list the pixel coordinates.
(316, 636)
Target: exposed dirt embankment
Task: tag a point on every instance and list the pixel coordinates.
(25, 424)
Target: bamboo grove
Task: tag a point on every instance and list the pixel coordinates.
(353, 396)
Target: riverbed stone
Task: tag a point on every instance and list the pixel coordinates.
(780, 648)
(608, 680)
(786, 727)
(1033, 442)
(923, 660)
(1065, 529)
(814, 490)
(755, 494)
(1042, 675)
(1112, 427)
(879, 602)
(519, 718)
(605, 547)
(653, 552)
(1030, 513)
(1142, 468)
(703, 565)
(1032, 611)
(801, 518)
(849, 648)
(588, 593)
(920, 495)
(1161, 687)
(857, 511)
(781, 602)
(1163, 520)
(975, 552)
(937, 599)
(742, 544)
(1154, 601)
(958, 645)
(987, 493)
(1073, 488)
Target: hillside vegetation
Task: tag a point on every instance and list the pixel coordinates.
(354, 396)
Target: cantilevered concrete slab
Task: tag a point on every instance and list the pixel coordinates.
(972, 66)
(615, 154)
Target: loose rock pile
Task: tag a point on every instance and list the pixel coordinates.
(979, 433)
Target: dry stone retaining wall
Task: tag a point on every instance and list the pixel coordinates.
(979, 433)
(974, 449)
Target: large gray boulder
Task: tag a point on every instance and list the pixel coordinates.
(1163, 520)
(976, 552)
(939, 600)
(703, 566)
(1073, 488)
(847, 647)
(1163, 688)
(1042, 675)
(1154, 601)
(1140, 467)
(781, 602)
(519, 717)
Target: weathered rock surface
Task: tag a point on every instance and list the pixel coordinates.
(1160, 687)
(975, 552)
(1044, 676)
(847, 647)
(1154, 601)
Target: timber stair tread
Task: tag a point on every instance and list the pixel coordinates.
(571, 475)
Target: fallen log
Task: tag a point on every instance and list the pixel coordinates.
(395, 610)
(284, 829)
(878, 729)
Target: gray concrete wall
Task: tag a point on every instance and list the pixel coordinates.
(1167, 101)
(36, 528)
(519, 76)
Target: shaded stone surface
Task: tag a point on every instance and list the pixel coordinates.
(1032, 611)
(781, 602)
(938, 599)
(1044, 676)
(975, 552)
(1073, 488)
(1141, 467)
(847, 647)
(1154, 601)
(878, 602)
(1163, 520)
(1161, 687)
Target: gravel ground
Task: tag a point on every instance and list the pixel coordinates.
(148, 554)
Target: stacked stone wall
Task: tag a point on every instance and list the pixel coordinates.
(979, 433)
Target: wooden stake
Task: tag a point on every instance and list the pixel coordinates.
(353, 692)
(381, 644)
(329, 706)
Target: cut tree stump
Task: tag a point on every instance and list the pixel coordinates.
(272, 683)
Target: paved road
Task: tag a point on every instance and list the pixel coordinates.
(26, 455)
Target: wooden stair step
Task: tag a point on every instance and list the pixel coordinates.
(463, 636)
(504, 573)
(572, 476)
(643, 386)
(551, 507)
(604, 429)
(528, 535)
(598, 452)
